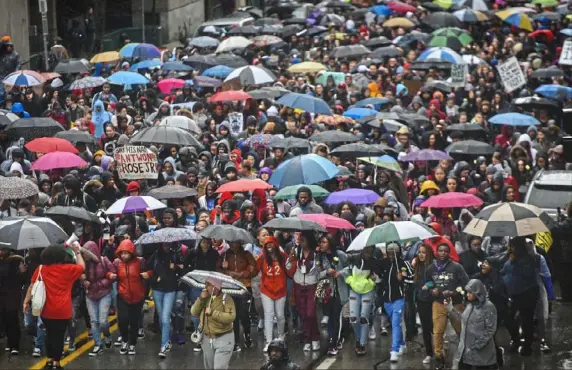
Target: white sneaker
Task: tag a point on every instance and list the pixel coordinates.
(324, 321)
(307, 347)
(372, 333)
(394, 356)
(265, 350)
(402, 350)
(260, 323)
(427, 360)
(37, 352)
(315, 345)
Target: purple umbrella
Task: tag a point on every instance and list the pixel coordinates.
(356, 196)
(425, 155)
(135, 204)
(205, 81)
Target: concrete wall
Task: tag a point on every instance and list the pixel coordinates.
(14, 22)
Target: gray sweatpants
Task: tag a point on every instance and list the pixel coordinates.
(217, 352)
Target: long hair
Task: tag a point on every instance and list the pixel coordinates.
(332, 247)
(270, 260)
(428, 260)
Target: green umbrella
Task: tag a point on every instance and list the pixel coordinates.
(289, 192)
(337, 76)
(394, 231)
(451, 37)
(385, 161)
(545, 3)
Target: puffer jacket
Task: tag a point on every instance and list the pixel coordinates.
(241, 262)
(130, 285)
(99, 285)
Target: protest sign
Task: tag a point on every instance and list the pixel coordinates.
(511, 75)
(236, 121)
(459, 74)
(566, 54)
(136, 163)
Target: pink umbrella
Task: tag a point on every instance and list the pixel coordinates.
(167, 85)
(58, 160)
(328, 221)
(452, 200)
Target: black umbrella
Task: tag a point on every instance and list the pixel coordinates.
(269, 30)
(6, 118)
(386, 52)
(227, 233)
(437, 85)
(466, 127)
(252, 11)
(70, 66)
(268, 92)
(349, 51)
(249, 30)
(334, 136)
(534, 102)
(316, 30)
(267, 21)
(32, 128)
(165, 135)
(338, 4)
(470, 147)
(289, 143)
(76, 136)
(230, 60)
(356, 150)
(299, 21)
(413, 36)
(289, 30)
(377, 42)
(547, 73)
(201, 62)
(441, 20)
(74, 213)
(172, 192)
(294, 224)
(30, 232)
(432, 7)
(431, 64)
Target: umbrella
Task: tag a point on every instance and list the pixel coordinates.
(430, 64)
(76, 213)
(437, 85)
(243, 185)
(268, 92)
(304, 169)
(31, 128)
(172, 192)
(299, 21)
(453, 38)
(413, 36)
(6, 118)
(334, 136)
(201, 62)
(376, 42)
(398, 22)
(558, 92)
(205, 81)
(294, 224)
(385, 161)
(140, 50)
(290, 30)
(267, 21)
(467, 128)
(106, 57)
(204, 42)
(535, 102)
(509, 219)
(470, 147)
(247, 31)
(514, 119)
(441, 20)
(16, 188)
(307, 67)
(566, 32)
(376, 102)
(515, 17)
(146, 64)
(547, 73)
(552, 16)
(127, 78)
(71, 66)
(473, 60)
(265, 40)
(50, 144)
(231, 60)
(165, 135)
(167, 235)
(356, 196)
(87, 83)
(480, 5)
(251, 75)
(289, 143)
(290, 192)
(441, 54)
(357, 113)
(545, 3)
(382, 10)
(230, 286)
(227, 233)
(316, 30)
(328, 221)
(218, 71)
(166, 86)
(544, 36)
(399, 7)
(306, 103)
(76, 136)
(425, 155)
(470, 16)
(328, 19)
(258, 141)
(176, 66)
(230, 95)
(357, 150)
(349, 51)
(452, 200)
(181, 122)
(135, 204)
(386, 52)
(323, 77)
(54, 160)
(30, 232)
(233, 42)
(24, 78)
(393, 231)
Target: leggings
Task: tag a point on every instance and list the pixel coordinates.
(242, 318)
(425, 310)
(333, 309)
(55, 333)
(128, 316)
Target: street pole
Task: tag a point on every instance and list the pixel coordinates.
(43, 7)
(143, 20)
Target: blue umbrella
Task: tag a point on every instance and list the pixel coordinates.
(555, 92)
(176, 66)
(357, 113)
(381, 10)
(305, 169)
(146, 64)
(306, 103)
(566, 32)
(441, 53)
(514, 119)
(376, 102)
(140, 50)
(218, 71)
(204, 42)
(127, 78)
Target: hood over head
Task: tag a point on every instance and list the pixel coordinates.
(126, 246)
(93, 248)
(476, 287)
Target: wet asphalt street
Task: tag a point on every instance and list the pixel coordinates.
(182, 357)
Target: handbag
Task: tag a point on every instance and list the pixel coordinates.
(38, 295)
(324, 291)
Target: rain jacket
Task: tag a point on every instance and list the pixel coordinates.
(429, 184)
(241, 262)
(18, 109)
(130, 285)
(100, 118)
(95, 272)
(273, 274)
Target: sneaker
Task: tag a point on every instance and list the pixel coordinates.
(141, 333)
(427, 360)
(384, 332)
(131, 351)
(307, 347)
(162, 353)
(332, 351)
(341, 344)
(393, 356)
(544, 347)
(14, 352)
(164, 350)
(439, 363)
(108, 342)
(197, 348)
(372, 335)
(315, 345)
(37, 352)
(265, 349)
(324, 321)
(247, 341)
(7, 349)
(360, 350)
(237, 348)
(124, 349)
(168, 347)
(402, 350)
(97, 350)
(118, 342)
(180, 339)
(260, 325)
(71, 348)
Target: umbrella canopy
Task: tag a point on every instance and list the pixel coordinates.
(382, 10)
(385, 161)
(547, 73)
(72, 66)
(24, 78)
(258, 141)
(204, 81)
(514, 119)
(58, 160)
(50, 144)
(290, 192)
(328, 221)
(243, 185)
(76, 136)
(358, 113)
(399, 7)
(470, 147)
(273, 92)
(356, 196)
(204, 42)
(251, 75)
(135, 204)
(106, 57)
(386, 52)
(534, 102)
(398, 22)
(198, 278)
(349, 51)
(140, 50)
(515, 17)
(450, 37)
(218, 71)
(557, 92)
(87, 83)
(172, 192)
(75, 213)
(231, 60)
(452, 200)
(227, 233)
(304, 169)
(425, 155)
(247, 31)
(30, 232)
(176, 66)
(334, 136)
(355, 150)
(167, 235)
(167, 85)
(31, 128)
(181, 122)
(441, 54)
(127, 78)
(6, 118)
(470, 16)
(293, 224)
(394, 231)
(230, 95)
(266, 40)
(201, 62)
(162, 134)
(376, 42)
(17, 188)
(307, 67)
(509, 219)
(289, 142)
(306, 103)
(480, 5)
(441, 20)
(233, 42)
(146, 64)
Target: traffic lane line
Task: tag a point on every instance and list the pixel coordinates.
(326, 364)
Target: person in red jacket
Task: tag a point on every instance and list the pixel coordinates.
(128, 270)
(274, 266)
(438, 240)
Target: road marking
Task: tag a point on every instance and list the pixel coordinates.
(325, 365)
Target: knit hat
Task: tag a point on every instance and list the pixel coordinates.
(133, 186)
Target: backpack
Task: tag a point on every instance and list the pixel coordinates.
(38, 295)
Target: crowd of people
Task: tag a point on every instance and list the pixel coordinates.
(478, 284)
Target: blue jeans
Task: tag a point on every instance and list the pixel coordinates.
(360, 309)
(194, 294)
(39, 332)
(395, 314)
(178, 313)
(98, 312)
(164, 302)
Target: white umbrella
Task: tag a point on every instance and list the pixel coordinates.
(394, 231)
(233, 42)
(135, 204)
(182, 122)
(251, 75)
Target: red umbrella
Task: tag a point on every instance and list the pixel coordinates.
(328, 221)
(58, 160)
(230, 95)
(452, 200)
(399, 7)
(546, 33)
(243, 185)
(50, 144)
(167, 85)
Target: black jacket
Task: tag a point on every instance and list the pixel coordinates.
(164, 278)
(394, 289)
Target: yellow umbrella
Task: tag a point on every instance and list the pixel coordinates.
(108, 56)
(398, 22)
(307, 67)
(517, 18)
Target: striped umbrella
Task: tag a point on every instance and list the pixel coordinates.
(515, 17)
(441, 53)
(393, 231)
(509, 219)
(230, 286)
(135, 204)
(480, 5)
(251, 75)
(470, 16)
(451, 37)
(24, 78)
(30, 232)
